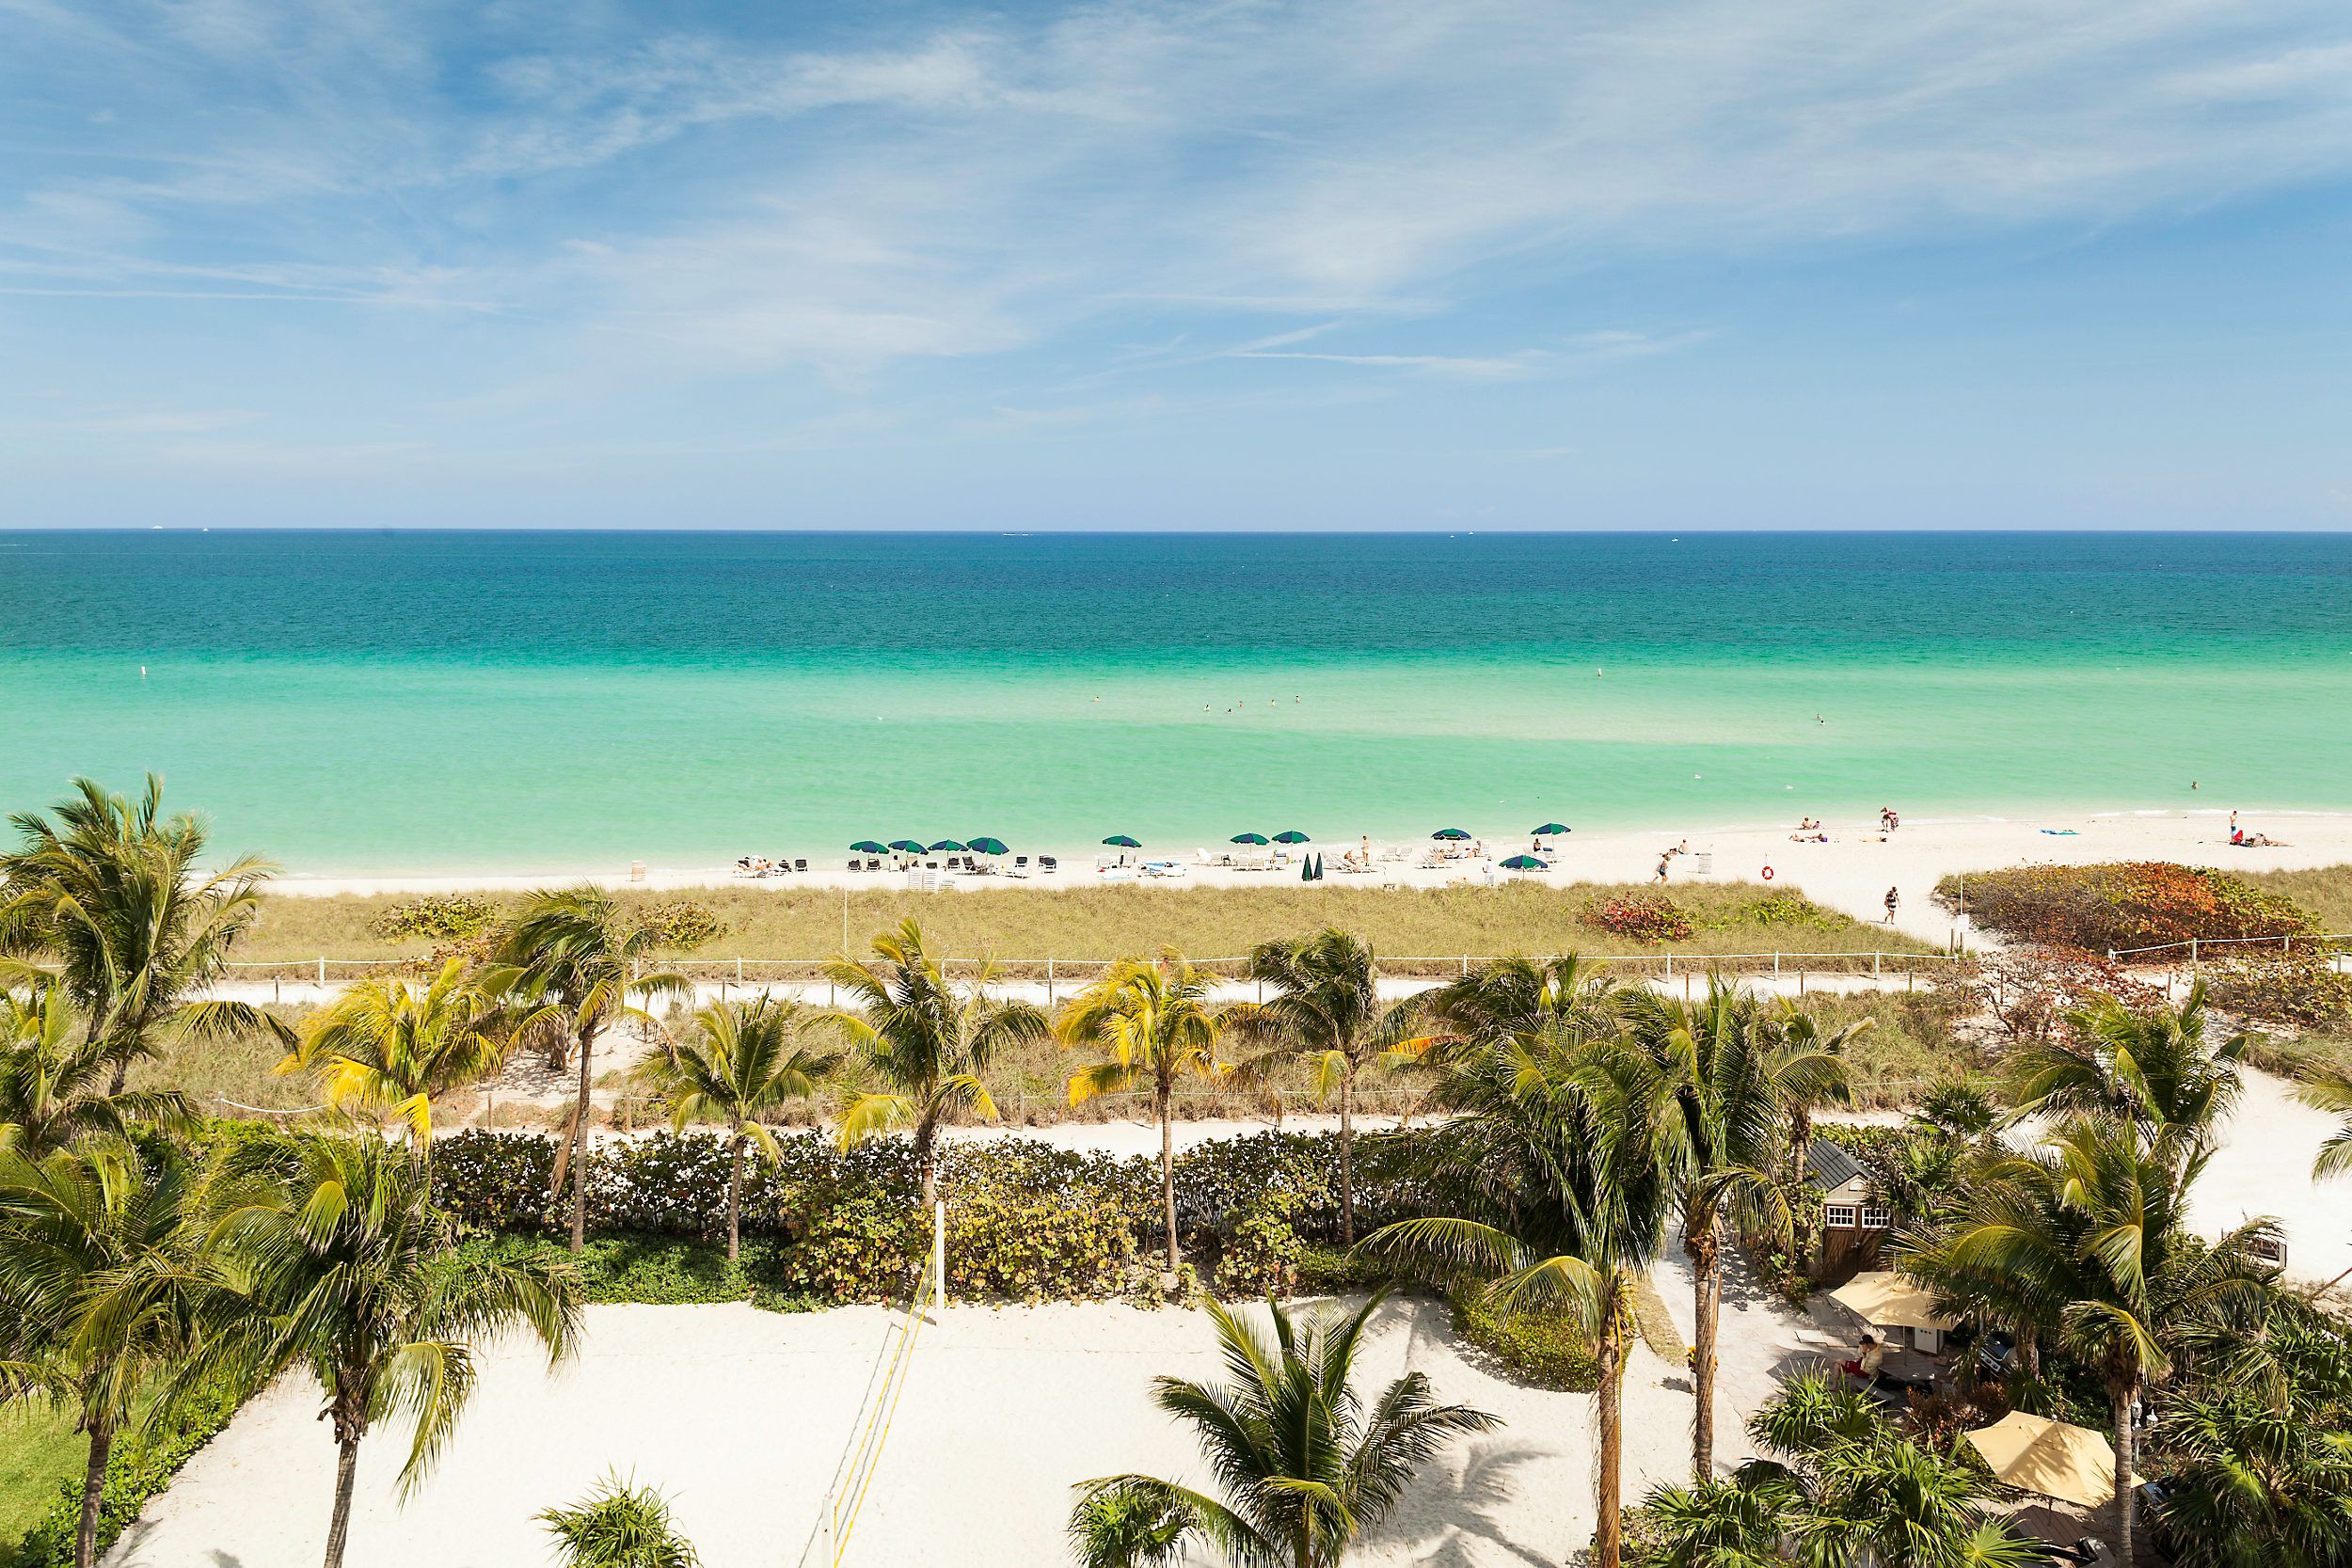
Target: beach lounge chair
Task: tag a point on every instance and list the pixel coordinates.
(800, 865)
(1019, 865)
(1048, 863)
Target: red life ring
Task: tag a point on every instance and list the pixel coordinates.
(1768, 873)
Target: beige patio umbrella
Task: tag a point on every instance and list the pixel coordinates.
(2033, 1454)
(1889, 1300)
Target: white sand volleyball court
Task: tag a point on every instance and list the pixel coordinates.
(742, 1416)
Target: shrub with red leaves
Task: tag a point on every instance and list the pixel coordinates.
(1644, 917)
(2125, 905)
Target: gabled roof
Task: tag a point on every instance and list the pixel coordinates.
(1830, 1166)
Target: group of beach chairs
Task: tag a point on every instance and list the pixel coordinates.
(760, 866)
(977, 865)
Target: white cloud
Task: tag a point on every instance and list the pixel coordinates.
(669, 200)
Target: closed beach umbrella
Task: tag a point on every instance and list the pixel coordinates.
(1249, 838)
(867, 847)
(907, 846)
(1524, 862)
(947, 847)
(988, 847)
(1294, 837)
(1318, 868)
(1449, 832)
(1306, 869)
(1121, 841)
(1549, 829)
(2072, 1464)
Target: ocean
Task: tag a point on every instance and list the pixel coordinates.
(526, 702)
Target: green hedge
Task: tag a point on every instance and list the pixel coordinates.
(141, 1466)
(1543, 1345)
(1028, 1222)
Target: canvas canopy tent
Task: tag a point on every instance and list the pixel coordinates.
(1889, 1300)
(2072, 1464)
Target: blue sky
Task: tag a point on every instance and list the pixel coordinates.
(1489, 263)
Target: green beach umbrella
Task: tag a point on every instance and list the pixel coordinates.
(1449, 832)
(906, 845)
(947, 847)
(1524, 862)
(988, 847)
(1294, 837)
(867, 847)
(1306, 869)
(1549, 829)
(1318, 868)
(1121, 841)
(1249, 838)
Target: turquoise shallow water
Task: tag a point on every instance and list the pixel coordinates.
(552, 701)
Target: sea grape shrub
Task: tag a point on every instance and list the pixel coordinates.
(1262, 1248)
(1031, 1250)
(2300, 989)
(2026, 992)
(2125, 905)
(1647, 918)
(1544, 1344)
(681, 922)
(1780, 909)
(438, 917)
(496, 1181)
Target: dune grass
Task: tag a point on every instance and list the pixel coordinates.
(771, 921)
(2325, 891)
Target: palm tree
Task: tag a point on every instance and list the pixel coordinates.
(50, 1083)
(2331, 1092)
(928, 1039)
(1504, 998)
(1304, 1465)
(1558, 1157)
(619, 1525)
(2254, 1485)
(1734, 1085)
(1809, 1073)
(570, 962)
(390, 1048)
(2090, 1235)
(2153, 1068)
(352, 1276)
(109, 893)
(743, 1063)
(1846, 1488)
(1155, 1025)
(96, 1272)
(1326, 1008)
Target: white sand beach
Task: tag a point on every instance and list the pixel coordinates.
(1852, 872)
(742, 1416)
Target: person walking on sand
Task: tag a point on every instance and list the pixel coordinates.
(1892, 899)
(1662, 861)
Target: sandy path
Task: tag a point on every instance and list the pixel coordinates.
(740, 1415)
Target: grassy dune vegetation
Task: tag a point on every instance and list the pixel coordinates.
(780, 921)
(2327, 892)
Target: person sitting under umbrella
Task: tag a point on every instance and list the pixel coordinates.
(1868, 1359)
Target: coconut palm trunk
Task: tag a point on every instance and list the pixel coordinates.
(2123, 1396)
(348, 1431)
(579, 1141)
(735, 1193)
(102, 1443)
(1347, 1155)
(1168, 1170)
(1707, 1292)
(1616, 1339)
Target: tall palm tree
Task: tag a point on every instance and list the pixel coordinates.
(744, 1062)
(98, 1280)
(1305, 1465)
(569, 964)
(1809, 1073)
(1154, 1023)
(2154, 1068)
(1326, 1008)
(392, 1049)
(928, 1039)
(352, 1276)
(1558, 1156)
(1734, 1085)
(2090, 1235)
(108, 893)
(1507, 997)
(51, 1083)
